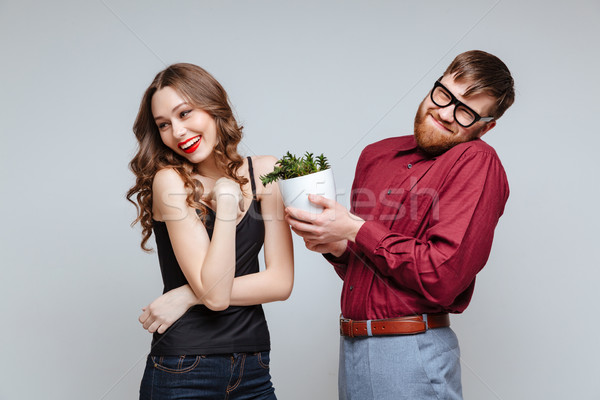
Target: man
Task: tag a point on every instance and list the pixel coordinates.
(423, 212)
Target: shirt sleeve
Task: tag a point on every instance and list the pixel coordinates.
(340, 264)
(458, 240)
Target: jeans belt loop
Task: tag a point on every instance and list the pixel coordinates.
(425, 320)
(369, 331)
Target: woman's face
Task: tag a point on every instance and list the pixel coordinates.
(188, 131)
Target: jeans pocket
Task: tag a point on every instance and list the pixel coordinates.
(263, 359)
(176, 364)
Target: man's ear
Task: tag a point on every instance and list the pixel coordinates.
(486, 128)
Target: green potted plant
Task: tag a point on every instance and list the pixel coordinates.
(300, 176)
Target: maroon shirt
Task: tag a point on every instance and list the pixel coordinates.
(428, 231)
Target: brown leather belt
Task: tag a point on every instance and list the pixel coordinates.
(393, 326)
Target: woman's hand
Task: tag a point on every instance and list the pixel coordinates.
(159, 315)
(226, 197)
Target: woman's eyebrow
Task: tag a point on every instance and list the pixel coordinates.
(173, 110)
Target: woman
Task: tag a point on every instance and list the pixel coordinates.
(210, 215)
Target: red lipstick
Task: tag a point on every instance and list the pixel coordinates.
(190, 145)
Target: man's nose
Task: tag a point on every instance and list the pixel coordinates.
(447, 113)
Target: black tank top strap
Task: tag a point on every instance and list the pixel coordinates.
(251, 172)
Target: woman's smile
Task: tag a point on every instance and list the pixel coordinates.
(190, 145)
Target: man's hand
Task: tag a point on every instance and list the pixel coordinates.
(168, 308)
(334, 248)
(326, 232)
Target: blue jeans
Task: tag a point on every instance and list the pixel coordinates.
(421, 366)
(222, 376)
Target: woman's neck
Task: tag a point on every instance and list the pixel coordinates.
(209, 168)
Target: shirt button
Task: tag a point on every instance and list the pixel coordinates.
(389, 191)
(409, 166)
(351, 287)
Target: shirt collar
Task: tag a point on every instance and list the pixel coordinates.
(409, 144)
(406, 143)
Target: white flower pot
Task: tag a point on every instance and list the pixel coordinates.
(295, 191)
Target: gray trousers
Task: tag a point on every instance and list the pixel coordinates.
(416, 367)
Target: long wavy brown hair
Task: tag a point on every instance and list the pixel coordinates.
(201, 90)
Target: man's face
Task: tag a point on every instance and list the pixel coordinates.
(436, 131)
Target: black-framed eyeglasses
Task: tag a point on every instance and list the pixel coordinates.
(464, 115)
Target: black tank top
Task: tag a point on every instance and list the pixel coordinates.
(201, 330)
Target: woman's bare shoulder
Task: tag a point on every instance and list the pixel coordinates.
(263, 164)
(167, 180)
(168, 196)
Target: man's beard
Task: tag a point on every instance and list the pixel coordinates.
(430, 140)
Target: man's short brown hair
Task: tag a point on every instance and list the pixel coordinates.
(488, 74)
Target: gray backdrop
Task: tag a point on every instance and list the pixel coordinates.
(324, 76)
